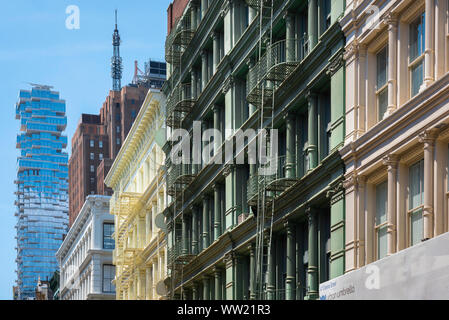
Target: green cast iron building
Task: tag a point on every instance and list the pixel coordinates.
(232, 232)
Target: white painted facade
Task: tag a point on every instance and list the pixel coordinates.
(83, 261)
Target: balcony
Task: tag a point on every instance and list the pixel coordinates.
(177, 40)
(179, 104)
(177, 257)
(179, 177)
(274, 67)
(273, 179)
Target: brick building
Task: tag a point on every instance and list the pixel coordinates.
(96, 142)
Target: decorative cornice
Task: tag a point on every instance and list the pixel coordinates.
(391, 161)
(428, 137)
(227, 85)
(336, 63)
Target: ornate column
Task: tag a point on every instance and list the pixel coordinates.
(312, 270)
(203, 8)
(250, 63)
(271, 275)
(193, 17)
(392, 62)
(195, 295)
(428, 138)
(217, 211)
(290, 45)
(216, 48)
(429, 67)
(290, 282)
(205, 237)
(217, 126)
(361, 182)
(252, 269)
(218, 284)
(185, 240)
(206, 288)
(193, 85)
(147, 283)
(313, 24)
(312, 149)
(391, 162)
(204, 77)
(195, 218)
(290, 163)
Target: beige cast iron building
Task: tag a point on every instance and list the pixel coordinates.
(396, 144)
(138, 180)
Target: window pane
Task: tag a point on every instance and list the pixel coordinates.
(382, 242)
(417, 78)
(108, 241)
(416, 174)
(382, 66)
(416, 227)
(108, 276)
(417, 37)
(382, 100)
(381, 203)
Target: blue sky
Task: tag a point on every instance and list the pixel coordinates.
(36, 47)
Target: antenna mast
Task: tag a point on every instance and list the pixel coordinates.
(116, 61)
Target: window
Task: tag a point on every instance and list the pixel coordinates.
(92, 143)
(382, 84)
(118, 140)
(92, 156)
(100, 144)
(133, 114)
(92, 168)
(417, 48)
(327, 13)
(100, 156)
(108, 276)
(118, 129)
(108, 241)
(416, 197)
(381, 219)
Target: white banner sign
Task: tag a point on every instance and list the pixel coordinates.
(419, 272)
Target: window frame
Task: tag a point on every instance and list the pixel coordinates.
(384, 88)
(103, 279)
(110, 237)
(411, 211)
(420, 59)
(379, 227)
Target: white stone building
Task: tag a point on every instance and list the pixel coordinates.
(85, 256)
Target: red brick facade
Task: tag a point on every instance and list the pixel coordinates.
(174, 12)
(96, 143)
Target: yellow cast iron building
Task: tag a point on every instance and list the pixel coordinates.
(137, 178)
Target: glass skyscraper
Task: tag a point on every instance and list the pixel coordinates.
(42, 185)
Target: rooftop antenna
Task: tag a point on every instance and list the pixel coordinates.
(116, 61)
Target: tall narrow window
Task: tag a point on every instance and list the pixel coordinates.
(416, 197)
(416, 59)
(92, 143)
(108, 240)
(382, 85)
(100, 144)
(381, 219)
(108, 276)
